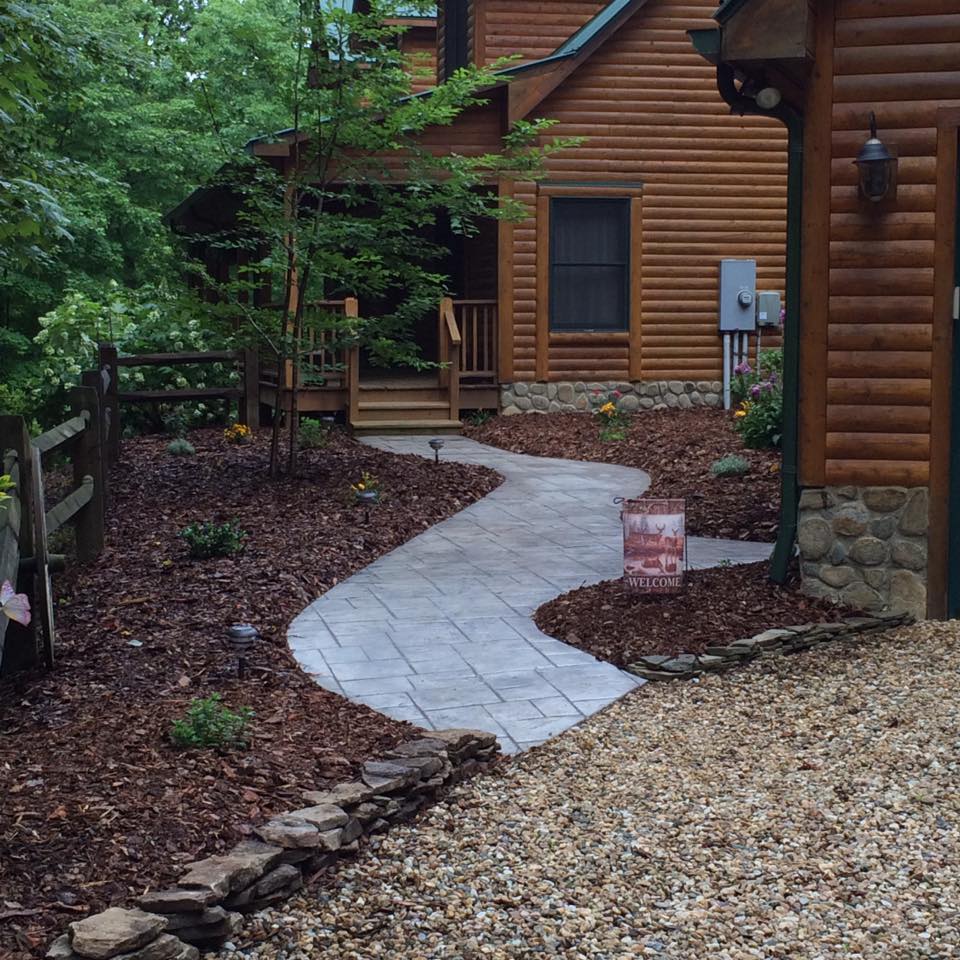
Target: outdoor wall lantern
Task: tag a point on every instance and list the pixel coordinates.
(877, 167)
(769, 98)
(436, 445)
(241, 637)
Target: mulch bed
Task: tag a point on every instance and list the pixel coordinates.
(96, 801)
(717, 606)
(677, 449)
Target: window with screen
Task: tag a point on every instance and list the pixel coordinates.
(589, 264)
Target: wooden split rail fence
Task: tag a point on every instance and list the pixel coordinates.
(90, 438)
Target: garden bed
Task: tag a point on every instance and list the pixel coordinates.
(95, 796)
(677, 448)
(717, 606)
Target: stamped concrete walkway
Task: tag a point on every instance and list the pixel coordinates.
(439, 631)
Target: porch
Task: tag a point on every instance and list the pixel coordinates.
(464, 342)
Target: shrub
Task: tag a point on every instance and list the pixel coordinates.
(759, 421)
(176, 422)
(180, 448)
(208, 723)
(613, 421)
(479, 417)
(313, 434)
(730, 466)
(213, 539)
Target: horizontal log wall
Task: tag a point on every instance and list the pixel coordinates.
(900, 59)
(714, 186)
(527, 30)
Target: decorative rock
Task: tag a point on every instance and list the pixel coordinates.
(521, 389)
(552, 391)
(291, 833)
(231, 925)
(115, 931)
(524, 404)
(538, 389)
(908, 593)
(233, 871)
(906, 553)
(862, 597)
(814, 537)
(876, 577)
(675, 387)
(540, 403)
(210, 917)
(329, 840)
(323, 816)
(60, 949)
(424, 767)
(565, 393)
(352, 831)
(684, 402)
(386, 777)
(815, 499)
(177, 900)
(850, 521)
(424, 747)
(457, 739)
(342, 795)
(165, 947)
(836, 576)
(284, 876)
(869, 551)
(885, 499)
(629, 403)
(915, 517)
(510, 410)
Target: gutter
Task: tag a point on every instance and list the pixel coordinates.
(707, 43)
(792, 119)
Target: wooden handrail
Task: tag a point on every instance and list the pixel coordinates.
(351, 310)
(453, 331)
(176, 359)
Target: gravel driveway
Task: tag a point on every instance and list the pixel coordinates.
(802, 808)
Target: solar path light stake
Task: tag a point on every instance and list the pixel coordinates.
(241, 637)
(436, 444)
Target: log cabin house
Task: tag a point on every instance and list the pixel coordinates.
(872, 438)
(613, 277)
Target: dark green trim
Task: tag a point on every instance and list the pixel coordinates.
(789, 488)
(727, 9)
(953, 535)
(706, 43)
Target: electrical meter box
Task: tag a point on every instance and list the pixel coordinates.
(738, 295)
(768, 308)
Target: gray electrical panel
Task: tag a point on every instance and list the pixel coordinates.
(738, 294)
(768, 308)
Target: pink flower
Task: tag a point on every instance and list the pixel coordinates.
(755, 391)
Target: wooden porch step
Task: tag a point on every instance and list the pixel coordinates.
(405, 427)
(404, 410)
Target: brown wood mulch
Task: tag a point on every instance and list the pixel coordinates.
(95, 802)
(677, 449)
(717, 606)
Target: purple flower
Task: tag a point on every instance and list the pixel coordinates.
(755, 391)
(783, 316)
(741, 368)
(773, 376)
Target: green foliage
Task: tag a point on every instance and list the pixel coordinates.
(5, 484)
(210, 539)
(613, 421)
(730, 466)
(208, 723)
(478, 418)
(180, 448)
(760, 421)
(314, 434)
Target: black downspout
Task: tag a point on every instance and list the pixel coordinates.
(792, 119)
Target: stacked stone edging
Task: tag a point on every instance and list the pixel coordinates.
(567, 396)
(866, 547)
(206, 906)
(776, 642)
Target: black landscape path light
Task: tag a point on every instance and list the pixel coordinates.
(877, 167)
(241, 637)
(436, 445)
(366, 499)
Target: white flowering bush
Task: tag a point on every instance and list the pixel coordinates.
(135, 321)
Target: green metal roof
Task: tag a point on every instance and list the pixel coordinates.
(727, 9)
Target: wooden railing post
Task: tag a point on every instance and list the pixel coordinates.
(88, 461)
(454, 379)
(107, 354)
(249, 412)
(443, 341)
(20, 649)
(351, 310)
(94, 380)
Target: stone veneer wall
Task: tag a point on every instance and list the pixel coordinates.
(866, 546)
(573, 397)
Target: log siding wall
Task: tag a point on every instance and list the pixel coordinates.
(898, 58)
(714, 187)
(530, 30)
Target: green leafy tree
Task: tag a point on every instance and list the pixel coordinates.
(351, 215)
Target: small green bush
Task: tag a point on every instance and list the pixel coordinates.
(213, 539)
(479, 417)
(313, 434)
(730, 466)
(180, 448)
(208, 723)
(759, 421)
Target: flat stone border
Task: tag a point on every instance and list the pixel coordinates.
(440, 631)
(207, 905)
(569, 396)
(776, 642)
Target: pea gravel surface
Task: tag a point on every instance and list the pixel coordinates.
(802, 807)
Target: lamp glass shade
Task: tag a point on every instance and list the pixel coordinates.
(877, 167)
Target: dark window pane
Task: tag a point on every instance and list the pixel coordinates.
(589, 264)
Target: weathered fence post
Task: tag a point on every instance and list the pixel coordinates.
(249, 412)
(107, 354)
(20, 650)
(94, 380)
(88, 461)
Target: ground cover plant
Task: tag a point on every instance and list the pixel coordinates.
(97, 799)
(678, 448)
(717, 606)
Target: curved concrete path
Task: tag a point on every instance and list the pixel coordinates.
(439, 631)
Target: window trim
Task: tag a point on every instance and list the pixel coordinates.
(544, 336)
(625, 265)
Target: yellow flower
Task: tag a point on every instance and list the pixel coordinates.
(608, 407)
(361, 486)
(740, 413)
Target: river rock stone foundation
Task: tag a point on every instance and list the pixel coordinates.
(866, 547)
(209, 902)
(574, 397)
